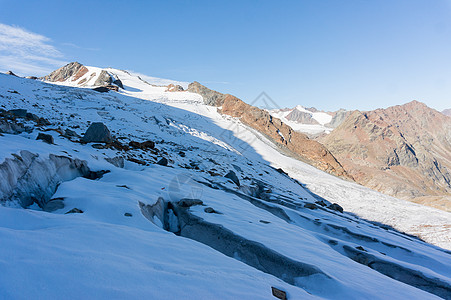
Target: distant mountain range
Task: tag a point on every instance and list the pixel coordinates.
(403, 151)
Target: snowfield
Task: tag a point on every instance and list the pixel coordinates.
(184, 231)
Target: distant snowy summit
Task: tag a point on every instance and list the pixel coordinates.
(310, 120)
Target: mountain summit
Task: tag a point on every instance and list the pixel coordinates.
(403, 151)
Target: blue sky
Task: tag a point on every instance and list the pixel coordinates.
(355, 54)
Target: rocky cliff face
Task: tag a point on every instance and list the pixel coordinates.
(296, 143)
(338, 117)
(62, 74)
(301, 117)
(403, 151)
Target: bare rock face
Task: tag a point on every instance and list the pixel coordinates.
(97, 133)
(64, 73)
(211, 97)
(174, 88)
(403, 151)
(338, 117)
(104, 79)
(301, 117)
(296, 143)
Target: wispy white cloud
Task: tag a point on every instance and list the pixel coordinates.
(79, 47)
(27, 53)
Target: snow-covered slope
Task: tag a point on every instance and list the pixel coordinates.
(136, 239)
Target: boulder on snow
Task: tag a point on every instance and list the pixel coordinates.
(117, 161)
(70, 133)
(163, 162)
(186, 202)
(97, 133)
(232, 176)
(279, 294)
(45, 137)
(143, 146)
(106, 88)
(336, 207)
(74, 211)
(310, 206)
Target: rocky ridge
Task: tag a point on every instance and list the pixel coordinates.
(296, 143)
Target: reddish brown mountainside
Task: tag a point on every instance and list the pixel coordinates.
(403, 151)
(297, 143)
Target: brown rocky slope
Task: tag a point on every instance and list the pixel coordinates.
(403, 151)
(297, 144)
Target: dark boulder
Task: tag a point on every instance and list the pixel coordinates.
(19, 113)
(336, 207)
(118, 82)
(106, 88)
(45, 137)
(232, 176)
(310, 206)
(163, 162)
(74, 211)
(97, 133)
(143, 146)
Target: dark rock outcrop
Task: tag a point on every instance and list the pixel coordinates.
(45, 137)
(143, 146)
(232, 176)
(174, 88)
(97, 133)
(106, 88)
(103, 79)
(163, 162)
(11, 73)
(118, 82)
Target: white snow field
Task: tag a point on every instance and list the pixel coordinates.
(184, 231)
